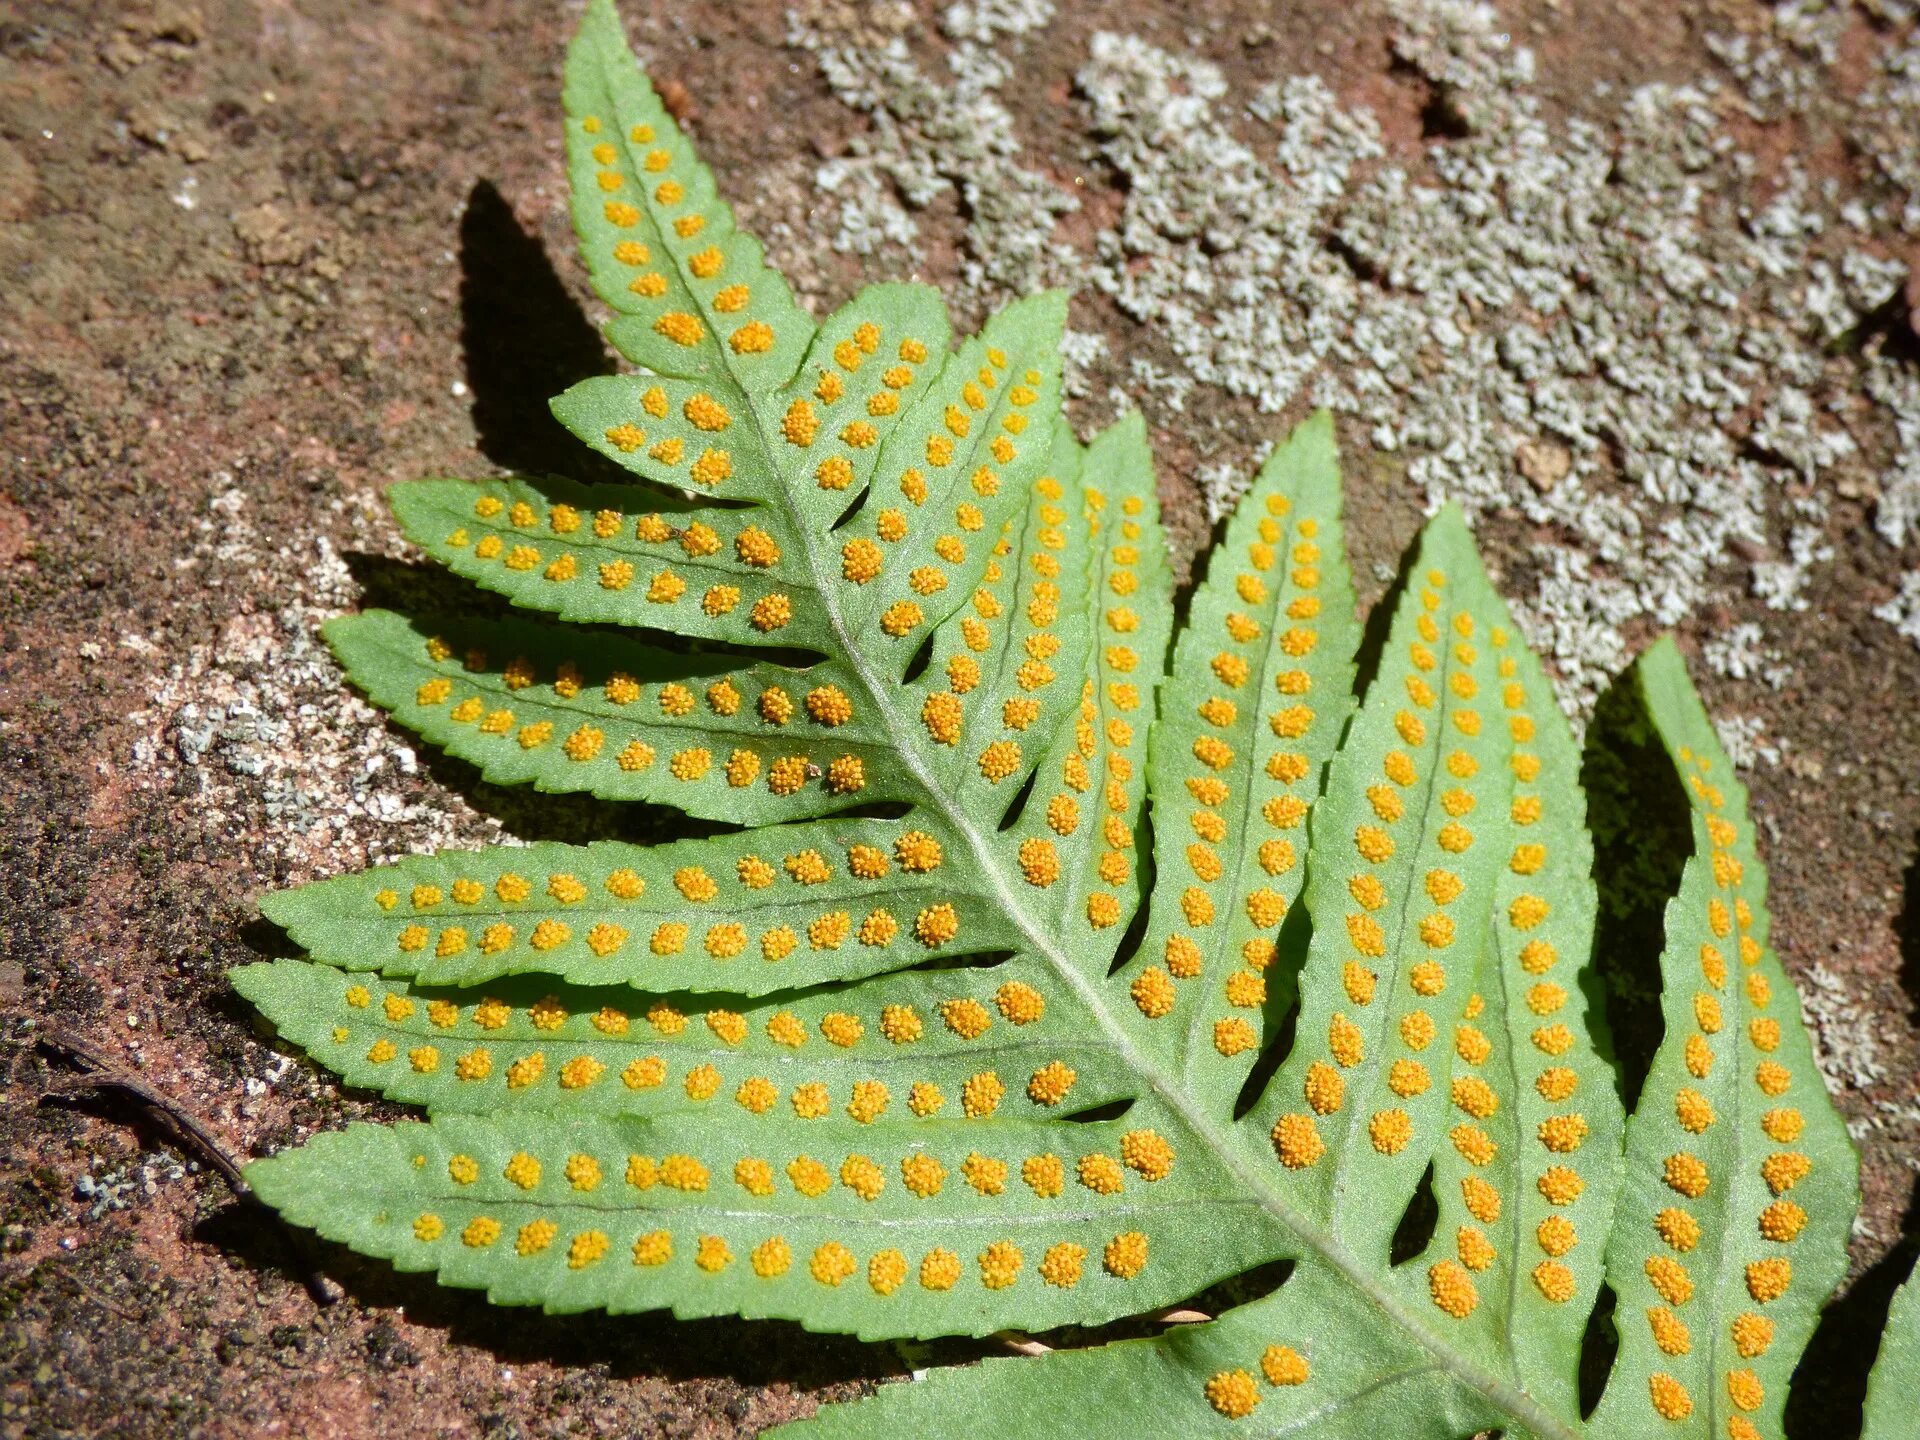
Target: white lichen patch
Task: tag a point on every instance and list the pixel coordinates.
(1590, 326)
(1741, 653)
(1780, 55)
(1847, 1043)
(265, 750)
(1903, 610)
(1897, 391)
(1551, 320)
(931, 141)
(1746, 742)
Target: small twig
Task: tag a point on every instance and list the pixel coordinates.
(1179, 1315)
(1022, 1344)
(88, 1292)
(100, 1072)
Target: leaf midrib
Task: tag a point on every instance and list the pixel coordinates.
(1728, 1279)
(882, 691)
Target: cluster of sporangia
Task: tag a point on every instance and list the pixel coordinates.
(885, 477)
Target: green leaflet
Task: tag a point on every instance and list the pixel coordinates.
(907, 1043)
(1890, 1412)
(692, 295)
(1260, 689)
(622, 720)
(1312, 1360)
(898, 1055)
(1410, 840)
(1742, 1180)
(1075, 845)
(751, 913)
(848, 1225)
(614, 554)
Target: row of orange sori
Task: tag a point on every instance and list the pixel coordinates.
(825, 705)
(667, 199)
(900, 1023)
(753, 546)
(785, 774)
(1154, 991)
(723, 296)
(832, 1263)
(1296, 1135)
(943, 713)
(1101, 760)
(1768, 1275)
(932, 926)
(1144, 1152)
(915, 851)
(1120, 696)
(980, 1093)
(1559, 1135)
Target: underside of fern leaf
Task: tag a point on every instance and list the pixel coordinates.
(896, 1054)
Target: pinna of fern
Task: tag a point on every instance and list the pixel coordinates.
(898, 1054)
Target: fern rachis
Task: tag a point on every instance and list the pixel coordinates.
(883, 1122)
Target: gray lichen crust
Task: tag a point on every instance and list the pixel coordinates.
(1590, 328)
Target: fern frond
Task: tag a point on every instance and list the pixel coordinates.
(897, 1054)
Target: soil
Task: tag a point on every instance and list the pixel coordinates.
(257, 261)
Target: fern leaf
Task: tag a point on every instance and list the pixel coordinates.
(897, 1055)
(1741, 1179)
(1890, 1412)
